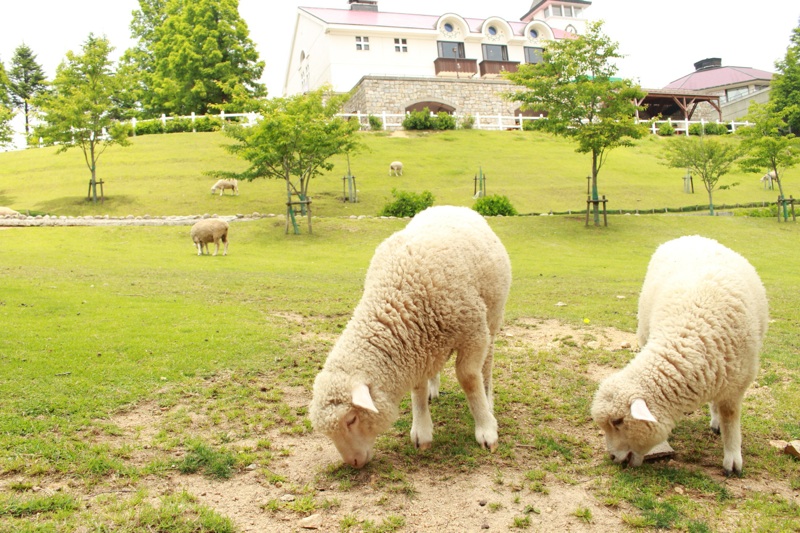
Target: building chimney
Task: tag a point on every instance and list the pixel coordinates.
(363, 5)
(705, 64)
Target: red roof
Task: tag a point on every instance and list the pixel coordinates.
(719, 77)
(403, 20)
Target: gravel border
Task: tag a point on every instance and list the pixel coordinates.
(130, 220)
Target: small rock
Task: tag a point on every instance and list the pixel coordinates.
(793, 449)
(560, 304)
(251, 466)
(620, 297)
(482, 503)
(779, 444)
(287, 498)
(679, 489)
(311, 522)
(625, 345)
(484, 526)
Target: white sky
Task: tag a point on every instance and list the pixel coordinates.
(661, 39)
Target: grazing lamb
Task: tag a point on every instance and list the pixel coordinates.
(702, 318)
(435, 287)
(221, 185)
(396, 168)
(768, 178)
(210, 230)
(7, 212)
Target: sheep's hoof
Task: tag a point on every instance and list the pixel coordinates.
(715, 430)
(733, 472)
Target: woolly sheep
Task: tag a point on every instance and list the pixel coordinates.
(396, 168)
(437, 286)
(7, 211)
(702, 318)
(221, 185)
(210, 230)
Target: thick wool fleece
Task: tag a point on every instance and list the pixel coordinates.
(437, 286)
(703, 315)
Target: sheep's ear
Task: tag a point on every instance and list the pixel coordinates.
(362, 398)
(640, 411)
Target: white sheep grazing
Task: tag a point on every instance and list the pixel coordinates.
(221, 185)
(702, 318)
(7, 212)
(437, 286)
(768, 178)
(210, 230)
(395, 168)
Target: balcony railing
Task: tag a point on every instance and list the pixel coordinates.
(493, 69)
(455, 68)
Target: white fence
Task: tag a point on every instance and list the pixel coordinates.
(394, 121)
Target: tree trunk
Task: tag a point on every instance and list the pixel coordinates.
(710, 204)
(780, 192)
(595, 197)
(94, 172)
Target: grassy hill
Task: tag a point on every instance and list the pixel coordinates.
(166, 175)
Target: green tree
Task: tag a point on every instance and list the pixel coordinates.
(294, 142)
(766, 144)
(709, 159)
(192, 56)
(574, 85)
(80, 109)
(785, 86)
(6, 112)
(27, 80)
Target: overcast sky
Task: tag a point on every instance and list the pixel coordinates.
(661, 39)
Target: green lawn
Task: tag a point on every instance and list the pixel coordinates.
(166, 175)
(99, 320)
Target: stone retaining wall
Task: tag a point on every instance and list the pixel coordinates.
(378, 94)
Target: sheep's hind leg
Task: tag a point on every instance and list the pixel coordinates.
(714, 411)
(433, 387)
(421, 424)
(730, 411)
(469, 371)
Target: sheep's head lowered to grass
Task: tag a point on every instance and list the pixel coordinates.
(630, 428)
(345, 411)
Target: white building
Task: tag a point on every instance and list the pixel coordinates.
(396, 62)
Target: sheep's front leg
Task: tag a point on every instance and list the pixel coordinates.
(421, 424)
(199, 248)
(731, 430)
(216, 247)
(470, 374)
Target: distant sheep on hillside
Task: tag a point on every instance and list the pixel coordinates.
(396, 168)
(221, 185)
(207, 231)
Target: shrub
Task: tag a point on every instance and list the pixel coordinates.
(375, 123)
(714, 128)
(422, 120)
(444, 121)
(467, 122)
(494, 205)
(696, 129)
(149, 127)
(407, 204)
(178, 125)
(207, 124)
(666, 129)
(418, 120)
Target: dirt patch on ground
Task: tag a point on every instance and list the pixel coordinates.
(484, 498)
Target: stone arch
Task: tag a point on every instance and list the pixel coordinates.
(435, 106)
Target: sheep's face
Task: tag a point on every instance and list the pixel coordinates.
(351, 422)
(630, 429)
